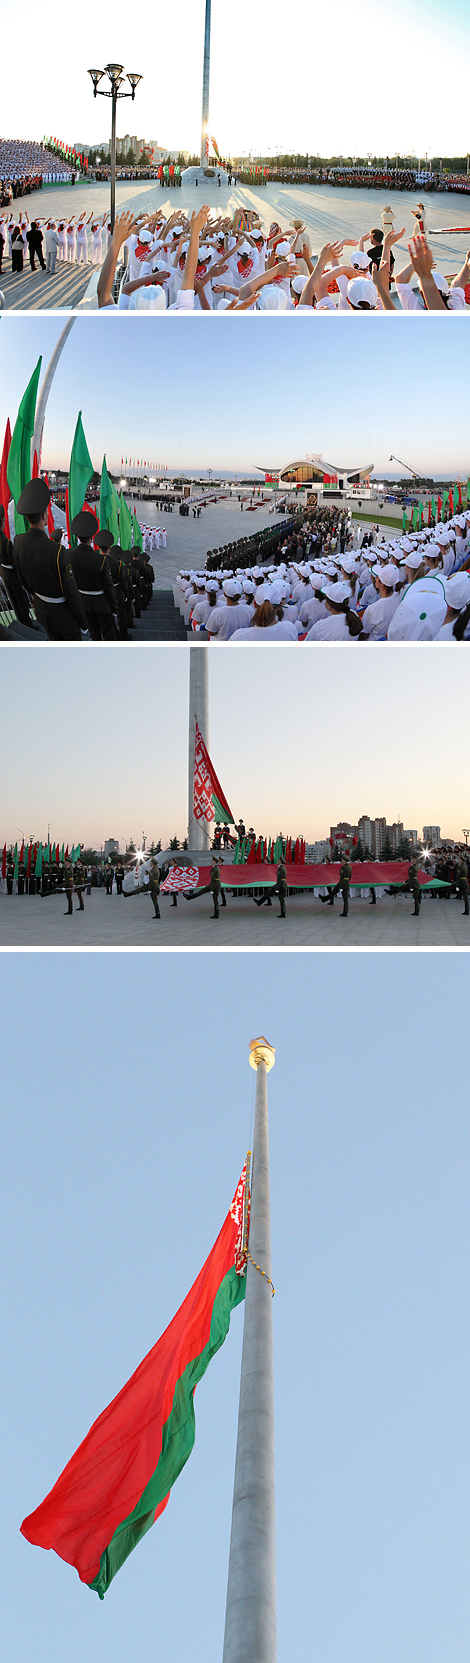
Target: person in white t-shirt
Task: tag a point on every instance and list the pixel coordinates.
(71, 238)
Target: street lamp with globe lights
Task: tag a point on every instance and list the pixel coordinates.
(116, 77)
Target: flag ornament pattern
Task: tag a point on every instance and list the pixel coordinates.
(180, 877)
(119, 1480)
(209, 801)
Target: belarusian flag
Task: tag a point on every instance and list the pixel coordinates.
(209, 801)
(119, 1480)
(109, 504)
(5, 492)
(80, 472)
(19, 458)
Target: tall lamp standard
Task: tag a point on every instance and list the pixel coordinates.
(115, 73)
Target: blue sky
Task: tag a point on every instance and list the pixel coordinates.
(129, 1112)
(200, 394)
(95, 739)
(262, 92)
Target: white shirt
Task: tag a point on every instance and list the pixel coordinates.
(331, 628)
(282, 631)
(377, 617)
(233, 618)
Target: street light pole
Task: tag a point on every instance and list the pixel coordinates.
(116, 77)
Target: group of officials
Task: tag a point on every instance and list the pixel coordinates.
(94, 591)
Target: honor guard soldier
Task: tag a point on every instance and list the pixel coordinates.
(154, 886)
(94, 580)
(413, 884)
(119, 877)
(45, 571)
(215, 886)
(113, 553)
(17, 594)
(462, 880)
(68, 886)
(279, 888)
(80, 881)
(108, 878)
(345, 875)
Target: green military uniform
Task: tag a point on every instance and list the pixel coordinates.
(14, 587)
(68, 886)
(215, 887)
(413, 884)
(80, 880)
(345, 875)
(281, 886)
(119, 877)
(45, 571)
(94, 582)
(154, 886)
(463, 883)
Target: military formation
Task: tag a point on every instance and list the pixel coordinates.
(92, 592)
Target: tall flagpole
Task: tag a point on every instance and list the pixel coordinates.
(250, 1618)
(199, 831)
(205, 83)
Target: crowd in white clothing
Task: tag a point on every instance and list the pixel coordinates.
(215, 264)
(415, 587)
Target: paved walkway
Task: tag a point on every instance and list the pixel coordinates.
(111, 921)
(41, 291)
(329, 214)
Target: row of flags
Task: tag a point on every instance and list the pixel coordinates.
(155, 467)
(251, 851)
(450, 500)
(33, 856)
(18, 466)
(67, 152)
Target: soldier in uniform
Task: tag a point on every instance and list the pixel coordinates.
(108, 878)
(80, 881)
(154, 886)
(45, 571)
(68, 886)
(17, 594)
(119, 877)
(213, 887)
(279, 888)
(462, 880)
(413, 884)
(113, 553)
(94, 581)
(345, 874)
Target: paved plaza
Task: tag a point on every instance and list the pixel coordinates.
(329, 214)
(115, 921)
(189, 540)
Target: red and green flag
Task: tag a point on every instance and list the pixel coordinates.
(5, 492)
(80, 472)
(209, 800)
(119, 1480)
(19, 456)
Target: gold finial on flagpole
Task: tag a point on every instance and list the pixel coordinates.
(262, 1051)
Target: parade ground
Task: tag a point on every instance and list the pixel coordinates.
(115, 921)
(330, 213)
(189, 539)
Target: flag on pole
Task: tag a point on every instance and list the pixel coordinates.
(109, 504)
(125, 524)
(137, 538)
(19, 458)
(80, 472)
(5, 492)
(209, 801)
(118, 1481)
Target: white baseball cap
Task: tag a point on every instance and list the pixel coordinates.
(420, 615)
(457, 590)
(362, 294)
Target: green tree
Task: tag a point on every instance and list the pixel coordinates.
(174, 843)
(387, 851)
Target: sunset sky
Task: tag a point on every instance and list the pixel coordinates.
(94, 739)
(265, 91)
(355, 390)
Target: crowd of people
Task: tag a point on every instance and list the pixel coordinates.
(93, 591)
(332, 581)
(367, 178)
(74, 240)
(26, 166)
(159, 263)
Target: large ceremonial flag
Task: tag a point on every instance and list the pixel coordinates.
(109, 504)
(119, 1480)
(5, 492)
(80, 472)
(125, 524)
(209, 801)
(19, 459)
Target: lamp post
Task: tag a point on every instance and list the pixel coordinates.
(116, 77)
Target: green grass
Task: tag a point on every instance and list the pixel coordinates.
(379, 519)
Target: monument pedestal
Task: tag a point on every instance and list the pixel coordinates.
(205, 176)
